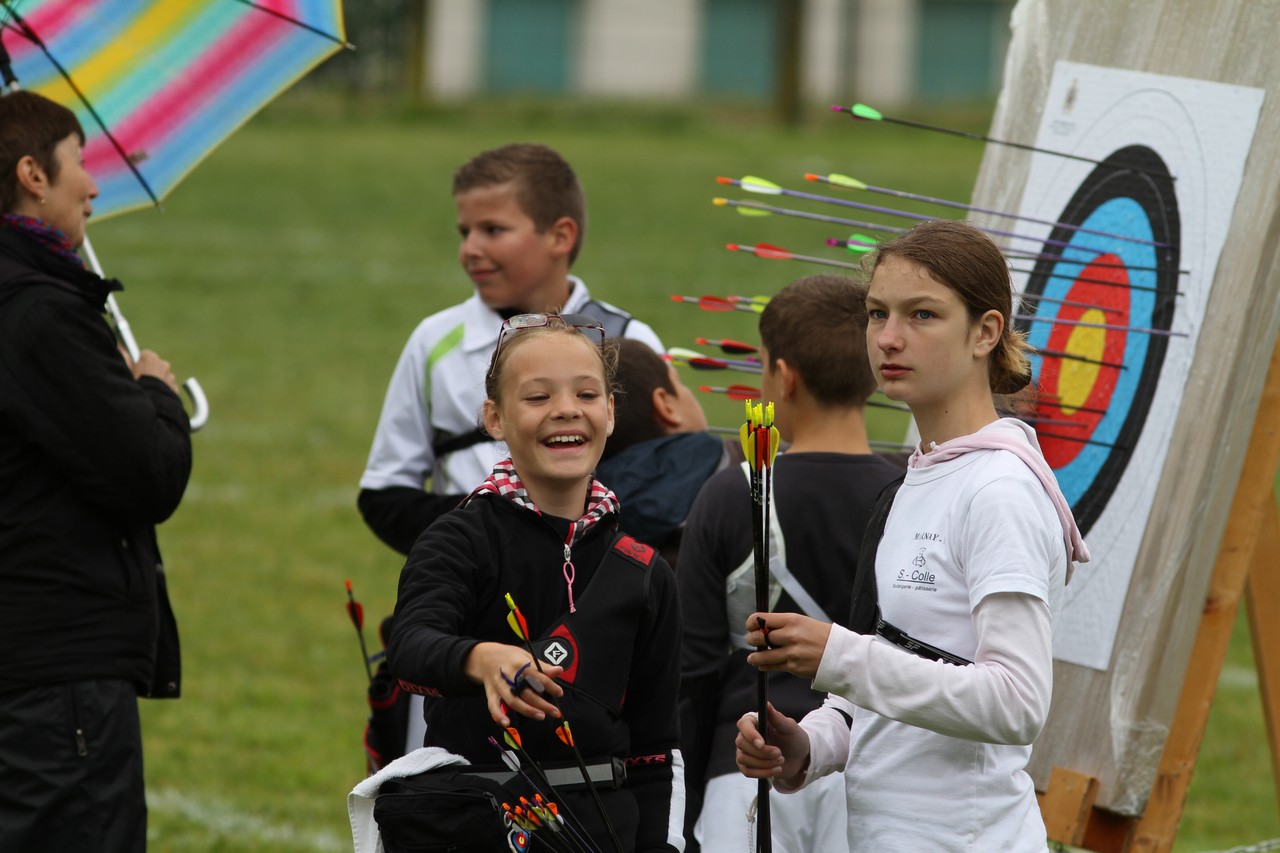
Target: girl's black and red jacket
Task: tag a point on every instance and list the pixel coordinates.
(620, 649)
(90, 460)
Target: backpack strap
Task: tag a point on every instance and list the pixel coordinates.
(614, 320)
(740, 585)
(864, 611)
(596, 643)
(442, 447)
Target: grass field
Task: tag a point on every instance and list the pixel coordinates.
(286, 274)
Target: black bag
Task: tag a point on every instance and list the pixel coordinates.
(447, 809)
(388, 723)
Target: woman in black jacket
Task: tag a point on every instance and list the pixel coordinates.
(600, 607)
(94, 451)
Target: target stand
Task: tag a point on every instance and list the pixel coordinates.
(1248, 564)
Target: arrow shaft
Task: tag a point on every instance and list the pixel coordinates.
(1033, 318)
(855, 223)
(1102, 281)
(919, 125)
(958, 205)
(792, 256)
(1036, 297)
(1041, 256)
(1049, 353)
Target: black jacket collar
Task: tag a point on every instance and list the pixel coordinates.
(19, 250)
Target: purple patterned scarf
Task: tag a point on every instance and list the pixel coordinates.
(53, 239)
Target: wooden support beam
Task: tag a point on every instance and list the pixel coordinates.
(1262, 596)
(1242, 549)
(1066, 805)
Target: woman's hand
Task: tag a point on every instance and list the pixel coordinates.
(797, 642)
(150, 364)
(785, 757)
(497, 665)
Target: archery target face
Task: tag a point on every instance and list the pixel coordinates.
(1171, 154)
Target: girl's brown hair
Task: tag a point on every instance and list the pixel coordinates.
(607, 352)
(966, 260)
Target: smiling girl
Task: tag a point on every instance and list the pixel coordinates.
(600, 606)
(934, 701)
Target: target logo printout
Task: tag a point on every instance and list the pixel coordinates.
(1123, 263)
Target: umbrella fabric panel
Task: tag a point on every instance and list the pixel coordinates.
(170, 78)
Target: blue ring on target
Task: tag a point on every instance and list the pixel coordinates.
(1105, 382)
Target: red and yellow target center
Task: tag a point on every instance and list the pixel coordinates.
(1078, 376)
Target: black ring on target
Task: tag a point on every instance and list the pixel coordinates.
(1107, 406)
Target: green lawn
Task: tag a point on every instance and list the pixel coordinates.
(286, 274)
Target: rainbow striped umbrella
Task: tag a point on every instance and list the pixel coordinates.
(158, 84)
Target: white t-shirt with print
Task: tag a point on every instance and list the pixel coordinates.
(972, 561)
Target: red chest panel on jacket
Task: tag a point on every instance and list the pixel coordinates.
(637, 551)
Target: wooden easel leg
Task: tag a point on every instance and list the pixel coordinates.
(1262, 596)
(1253, 509)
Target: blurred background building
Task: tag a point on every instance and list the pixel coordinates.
(885, 52)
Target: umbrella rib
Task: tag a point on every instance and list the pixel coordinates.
(281, 15)
(26, 32)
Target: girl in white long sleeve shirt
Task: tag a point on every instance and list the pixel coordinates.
(975, 553)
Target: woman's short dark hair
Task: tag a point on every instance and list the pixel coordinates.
(31, 124)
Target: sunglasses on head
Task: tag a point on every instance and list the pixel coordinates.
(584, 323)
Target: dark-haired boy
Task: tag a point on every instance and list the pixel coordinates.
(824, 487)
(521, 216)
(660, 454)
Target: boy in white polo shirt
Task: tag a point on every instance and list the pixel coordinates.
(522, 218)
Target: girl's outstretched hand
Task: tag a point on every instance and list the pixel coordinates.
(796, 642)
(511, 681)
(785, 757)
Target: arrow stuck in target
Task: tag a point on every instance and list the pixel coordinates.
(867, 113)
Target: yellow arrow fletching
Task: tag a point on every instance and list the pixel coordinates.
(845, 181)
(775, 438)
(744, 210)
(752, 184)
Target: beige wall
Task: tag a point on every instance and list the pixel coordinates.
(853, 48)
(634, 48)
